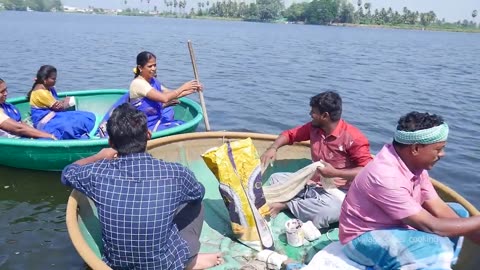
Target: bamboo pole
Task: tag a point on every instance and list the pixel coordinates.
(200, 93)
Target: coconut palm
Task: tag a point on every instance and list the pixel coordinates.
(367, 6)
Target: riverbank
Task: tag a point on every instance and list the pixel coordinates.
(412, 27)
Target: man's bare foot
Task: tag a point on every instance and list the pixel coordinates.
(206, 260)
(276, 208)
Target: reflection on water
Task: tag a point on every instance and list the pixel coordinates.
(34, 234)
(257, 77)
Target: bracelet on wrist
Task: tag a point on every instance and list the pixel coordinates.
(272, 147)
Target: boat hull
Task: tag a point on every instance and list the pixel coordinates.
(51, 155)
(83, 225)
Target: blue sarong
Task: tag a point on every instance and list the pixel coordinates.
(63, 125)
(158, 117)
(405, 249)
(11, 111)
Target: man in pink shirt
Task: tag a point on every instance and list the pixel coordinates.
(343, 148)
(392, 216)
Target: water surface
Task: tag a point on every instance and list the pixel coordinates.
(257, 77)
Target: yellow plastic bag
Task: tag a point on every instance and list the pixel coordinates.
(237, 167)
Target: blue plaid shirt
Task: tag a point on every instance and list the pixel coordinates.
(137, 197)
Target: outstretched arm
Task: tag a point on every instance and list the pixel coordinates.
(426, 222)
(23, 130)
(168, 95)
(271, 152)
(297, 134)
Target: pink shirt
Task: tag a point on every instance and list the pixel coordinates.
(345, 148)
(382, 194)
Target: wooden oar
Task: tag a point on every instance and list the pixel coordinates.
(202, 100)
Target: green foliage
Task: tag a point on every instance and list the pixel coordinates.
(36, 5)
(18, 5)
(269, 10)
(296, 12)
(347, 12)
(322, 11)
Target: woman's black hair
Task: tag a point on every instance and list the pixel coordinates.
(43, 73)
(142, 60)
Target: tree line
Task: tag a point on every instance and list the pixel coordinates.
(341, 11)
(36, 5)
(314, 12)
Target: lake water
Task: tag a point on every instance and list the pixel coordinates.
(257, 77)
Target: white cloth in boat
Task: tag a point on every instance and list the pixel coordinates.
(283, 192)
(332, 257)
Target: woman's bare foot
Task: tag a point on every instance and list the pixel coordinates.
(276, 208)
(206, 260)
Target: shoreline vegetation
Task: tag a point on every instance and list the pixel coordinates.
(339, 13)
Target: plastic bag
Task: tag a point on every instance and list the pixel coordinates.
(237, 168)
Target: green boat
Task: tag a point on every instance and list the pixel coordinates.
(85, 232)
(48, 155)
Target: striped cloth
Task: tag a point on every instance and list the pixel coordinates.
(401, 249)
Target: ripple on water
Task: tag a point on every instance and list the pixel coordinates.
(257, 77)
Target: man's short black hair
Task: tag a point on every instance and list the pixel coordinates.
(127, 129)
(330, 102)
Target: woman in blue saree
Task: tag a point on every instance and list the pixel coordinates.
(49, 113)
(150, 96)
(11, 125)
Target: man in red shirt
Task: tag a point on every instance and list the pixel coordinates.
(342, 147)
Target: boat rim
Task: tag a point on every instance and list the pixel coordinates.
(100, 141)
(87, 254)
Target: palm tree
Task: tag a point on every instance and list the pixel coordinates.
(367, 6)
(474, 13)
(359, 3)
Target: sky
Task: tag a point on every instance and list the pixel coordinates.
(451, 10)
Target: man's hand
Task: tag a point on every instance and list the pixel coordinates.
(107, 153)
(269, 156)
(328, 171)
(313, 183)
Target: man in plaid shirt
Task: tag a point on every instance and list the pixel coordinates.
(150, 210)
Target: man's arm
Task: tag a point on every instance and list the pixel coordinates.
(297, 134)
(78, 175)
(105, 153)
(271, 153)
(426, 222)
(439, 209)
(331, 172)
(23, 130)
(192, 190)
(358, 153)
